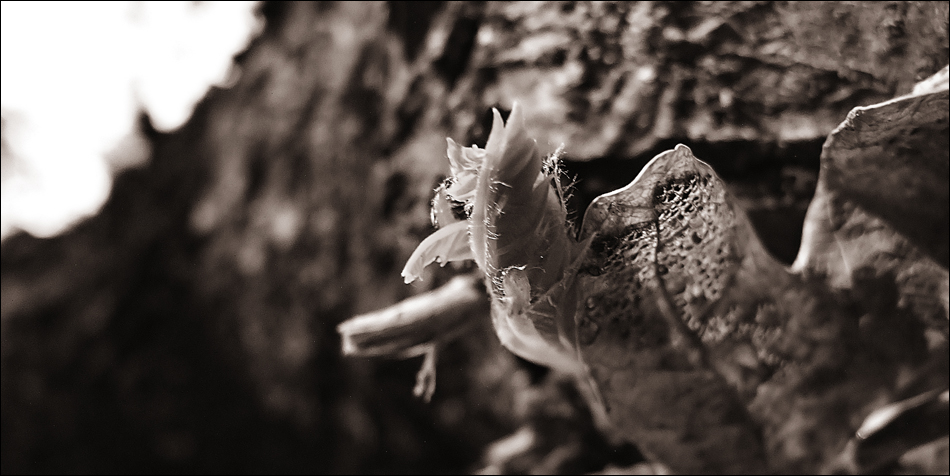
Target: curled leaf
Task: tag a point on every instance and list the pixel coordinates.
(445, 245)
(517, 233)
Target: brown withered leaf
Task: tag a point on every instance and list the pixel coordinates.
(877, 231)
(704, 349)
(883, 200)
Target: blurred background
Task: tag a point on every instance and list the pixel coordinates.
(195, 194)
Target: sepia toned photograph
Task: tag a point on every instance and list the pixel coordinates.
(468, 237)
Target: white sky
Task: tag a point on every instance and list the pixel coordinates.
(74, 74)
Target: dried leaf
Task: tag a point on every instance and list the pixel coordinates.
(664, 250)
(883, 200)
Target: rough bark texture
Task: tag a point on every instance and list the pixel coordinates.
(190, 325)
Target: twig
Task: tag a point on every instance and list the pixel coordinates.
(409, 328)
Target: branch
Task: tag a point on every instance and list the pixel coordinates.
(410, 327)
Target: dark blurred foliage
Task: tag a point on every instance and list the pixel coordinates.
(190, 325)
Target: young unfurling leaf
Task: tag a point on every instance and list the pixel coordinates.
(516, 231)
